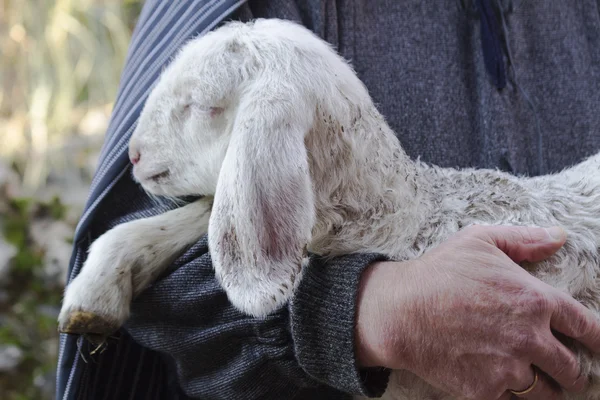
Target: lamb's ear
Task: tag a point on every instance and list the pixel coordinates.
(263, 210)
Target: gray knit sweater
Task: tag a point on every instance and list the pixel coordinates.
(424, 63)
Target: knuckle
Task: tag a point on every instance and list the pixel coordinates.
(515, 374)
(580, 326)
(535, 302)
(571, 366)
(523, 341)
(529, 235)
(566, 371)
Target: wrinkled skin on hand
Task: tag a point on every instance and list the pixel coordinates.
(469, 320)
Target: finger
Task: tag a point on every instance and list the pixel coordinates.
(558, 362)
(577, 322)
(543, 388)
(507, 396)
(523, 243)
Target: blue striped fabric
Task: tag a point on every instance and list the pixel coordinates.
(165, 26)
(161, 30)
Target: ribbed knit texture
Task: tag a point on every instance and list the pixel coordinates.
(324, 344)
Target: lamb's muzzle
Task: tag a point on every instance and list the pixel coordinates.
(299, 158)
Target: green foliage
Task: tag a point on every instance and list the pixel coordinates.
(54, 208)
(16, 228)
(27, 323)
(8, 335)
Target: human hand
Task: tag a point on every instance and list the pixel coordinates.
(468, 320)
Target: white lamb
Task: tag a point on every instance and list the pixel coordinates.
(269, 120)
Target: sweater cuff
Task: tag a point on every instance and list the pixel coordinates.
(323, 318)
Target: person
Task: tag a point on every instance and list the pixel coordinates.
(470, 83)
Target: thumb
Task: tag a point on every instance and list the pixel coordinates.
(523, 243)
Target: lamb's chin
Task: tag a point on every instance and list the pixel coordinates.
(172, 192)
(156, 189)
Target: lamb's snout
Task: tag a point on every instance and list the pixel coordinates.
(134, 155)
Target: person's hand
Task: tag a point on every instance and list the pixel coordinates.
(467, 319)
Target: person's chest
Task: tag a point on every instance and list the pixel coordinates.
(424, 66)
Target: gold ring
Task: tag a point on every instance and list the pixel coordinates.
(530, 388)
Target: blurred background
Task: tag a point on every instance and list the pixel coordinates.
(60, 62)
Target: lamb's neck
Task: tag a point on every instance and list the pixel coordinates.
(371, 197)
(364, 180)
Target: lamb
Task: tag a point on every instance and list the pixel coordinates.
(275, 130)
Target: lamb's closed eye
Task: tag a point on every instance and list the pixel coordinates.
(298, 157)
(164, 146)
(185, 110)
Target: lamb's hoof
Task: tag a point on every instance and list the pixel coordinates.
(89, 324)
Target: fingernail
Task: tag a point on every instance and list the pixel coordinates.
(556, 233)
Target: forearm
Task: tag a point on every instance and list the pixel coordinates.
(188, 317)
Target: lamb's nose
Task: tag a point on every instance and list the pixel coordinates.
(134, 156)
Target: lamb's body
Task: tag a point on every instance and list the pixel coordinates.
(410, 207)
(355, 190)
(419, 205)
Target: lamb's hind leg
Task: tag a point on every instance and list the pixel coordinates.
(122, 263)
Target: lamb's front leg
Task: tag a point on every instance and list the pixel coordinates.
(122, 263)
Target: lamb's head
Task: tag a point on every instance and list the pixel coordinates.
(183, 133)
(230, 117)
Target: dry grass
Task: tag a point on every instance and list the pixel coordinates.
(60, 68)
(60, 62)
